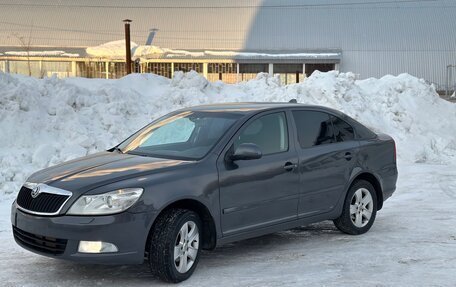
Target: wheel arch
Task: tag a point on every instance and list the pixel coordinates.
(372, 179)
(209, 229)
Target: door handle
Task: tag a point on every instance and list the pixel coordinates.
(289, 166)
(348, 156)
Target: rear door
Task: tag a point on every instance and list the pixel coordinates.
(265, 191)
(326, 150)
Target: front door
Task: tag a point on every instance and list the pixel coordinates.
(260, 192)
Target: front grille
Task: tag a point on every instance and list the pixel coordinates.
(40, 243)
(45, 203)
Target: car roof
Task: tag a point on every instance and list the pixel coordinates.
(252, 107)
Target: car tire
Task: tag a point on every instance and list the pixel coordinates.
(360, 209)
(177, 234)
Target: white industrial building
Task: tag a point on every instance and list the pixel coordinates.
(242, 37)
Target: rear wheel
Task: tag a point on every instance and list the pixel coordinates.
(175, 245)
(360, 209)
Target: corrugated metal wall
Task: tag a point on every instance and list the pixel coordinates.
(376, 39)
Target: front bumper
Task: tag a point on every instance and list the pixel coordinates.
(128, 231)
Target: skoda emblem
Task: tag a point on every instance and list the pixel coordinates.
(35, 192)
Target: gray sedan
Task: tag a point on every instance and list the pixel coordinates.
(204, 176)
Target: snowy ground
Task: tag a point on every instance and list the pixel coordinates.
(412, 243)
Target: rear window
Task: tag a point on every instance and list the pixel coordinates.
(342, 130)
(314, 128)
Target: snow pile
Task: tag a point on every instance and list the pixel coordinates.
(47, 121)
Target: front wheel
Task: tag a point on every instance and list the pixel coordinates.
(360, 209)
(175, 245)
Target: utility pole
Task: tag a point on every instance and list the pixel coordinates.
(127, 46)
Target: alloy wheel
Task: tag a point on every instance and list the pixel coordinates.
(361, 207)
(186, 247)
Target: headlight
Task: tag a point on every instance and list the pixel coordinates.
(106, 203)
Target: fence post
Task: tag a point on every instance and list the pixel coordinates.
(271, 69)
(40, 64)
(237, 72)
(205, 70)
(172, 70)
(73, 68)
(107, 69)
(447, 84)
(450, 79)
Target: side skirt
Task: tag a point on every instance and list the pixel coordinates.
(279, 227)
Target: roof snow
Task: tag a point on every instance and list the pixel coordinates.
(40, 54)
(116, 50)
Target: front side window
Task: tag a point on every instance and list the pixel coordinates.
(269, 132)
(187, 135)
(313, 128)
(343, 131)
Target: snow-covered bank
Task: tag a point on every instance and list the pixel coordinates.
(44, 122)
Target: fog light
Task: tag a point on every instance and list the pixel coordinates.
(96, 247)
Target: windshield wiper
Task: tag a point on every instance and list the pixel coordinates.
(117, 149)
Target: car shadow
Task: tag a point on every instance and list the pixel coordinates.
(251, 249)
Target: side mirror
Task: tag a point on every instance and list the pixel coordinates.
(246, 151)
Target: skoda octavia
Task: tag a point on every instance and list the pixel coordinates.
(204, 176)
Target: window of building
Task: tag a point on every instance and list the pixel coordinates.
(29, 68)
(117, 70)
(162, 69)
(310, 68)
(187, 67)
(59, 69)
(269, 132)
(342, 130)
(250, 71)
(91, 69)
(289, 73)
(313, 128)
(226, 72)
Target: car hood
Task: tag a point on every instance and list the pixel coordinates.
(86, 173)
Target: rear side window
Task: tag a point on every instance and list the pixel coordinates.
(268, 132)
(314, 128)
(342, 130)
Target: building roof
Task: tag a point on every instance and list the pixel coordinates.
(332, 55)
(258, 56)
(51, 52)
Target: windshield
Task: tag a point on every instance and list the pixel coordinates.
(186, 135)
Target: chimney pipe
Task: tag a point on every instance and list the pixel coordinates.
(127, 46)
